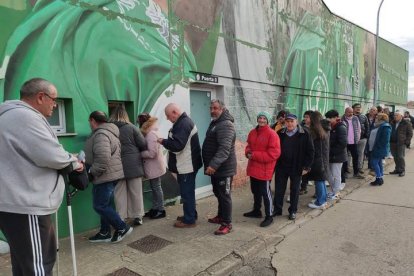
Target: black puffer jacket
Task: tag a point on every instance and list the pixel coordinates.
(320, 165)
(338, 143)
(132, 143)
(218, 147)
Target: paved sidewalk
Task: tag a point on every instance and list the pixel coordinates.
(194, 251)
(368, 233)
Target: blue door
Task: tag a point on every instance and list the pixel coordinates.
(200, 113)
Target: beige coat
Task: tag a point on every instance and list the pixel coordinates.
(103, 154)
(154, 162)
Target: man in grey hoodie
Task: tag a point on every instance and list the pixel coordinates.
(30, 186)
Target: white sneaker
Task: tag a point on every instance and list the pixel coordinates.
(310, 183)
(314, 206)
(288, 199)
(332, 196)
(327, 184)
(342, 186)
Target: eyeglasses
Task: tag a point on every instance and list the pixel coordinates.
(50, 97)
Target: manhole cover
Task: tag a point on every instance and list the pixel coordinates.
(124, 272)
(149, 244)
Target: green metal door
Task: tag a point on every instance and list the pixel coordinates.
(200, 113)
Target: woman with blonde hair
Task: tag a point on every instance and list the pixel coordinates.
(154, 164)
(379, 146)
(129, 200)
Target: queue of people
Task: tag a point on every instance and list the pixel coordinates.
(120, 155)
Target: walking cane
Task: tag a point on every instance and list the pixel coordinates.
(57, 242)
(69, 195)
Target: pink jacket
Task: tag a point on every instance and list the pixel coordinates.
(154, 162)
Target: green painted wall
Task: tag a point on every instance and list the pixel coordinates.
(144, 52)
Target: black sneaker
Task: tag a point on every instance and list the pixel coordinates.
(100, 237)
(276, 213)
(149, 213)
(359, 176)
(137, 221)
(157, 214)
(119, 235)
(267, 221)
(253, 214)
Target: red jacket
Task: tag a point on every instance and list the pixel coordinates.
(264, 145)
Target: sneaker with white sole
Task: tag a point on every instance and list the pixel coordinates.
(100, 237)
(137, 221)
(119, 235)
(314, 206)
(288, 199)
(332, 194)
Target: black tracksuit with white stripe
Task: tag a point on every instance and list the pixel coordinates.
(32, 243)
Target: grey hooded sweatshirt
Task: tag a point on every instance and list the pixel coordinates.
(30, 155)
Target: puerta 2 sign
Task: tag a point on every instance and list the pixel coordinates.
(206, 78)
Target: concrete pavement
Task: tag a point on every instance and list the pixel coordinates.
(195, 251)
(368, 233)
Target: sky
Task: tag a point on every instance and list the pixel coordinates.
(396, 23)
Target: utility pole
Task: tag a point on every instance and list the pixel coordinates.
(376, 91)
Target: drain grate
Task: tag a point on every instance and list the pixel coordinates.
(124, 272)
(149, 244)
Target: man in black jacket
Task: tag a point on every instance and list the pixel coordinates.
(337, 152)
(363, 120)
(184, 159)
(296, 160)
(220, 163)
(401, 134)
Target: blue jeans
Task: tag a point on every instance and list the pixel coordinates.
(376, 165)
(102, 194)
(320, 189)
(157, 194)
(187, 190)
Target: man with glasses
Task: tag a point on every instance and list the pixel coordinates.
(31, 189)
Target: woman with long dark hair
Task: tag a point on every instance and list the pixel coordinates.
(319, 131)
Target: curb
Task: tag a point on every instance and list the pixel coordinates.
(242, 255)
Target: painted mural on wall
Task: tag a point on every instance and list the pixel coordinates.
(144, 50)
(269, 55)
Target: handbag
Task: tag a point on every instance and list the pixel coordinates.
(78, 180)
